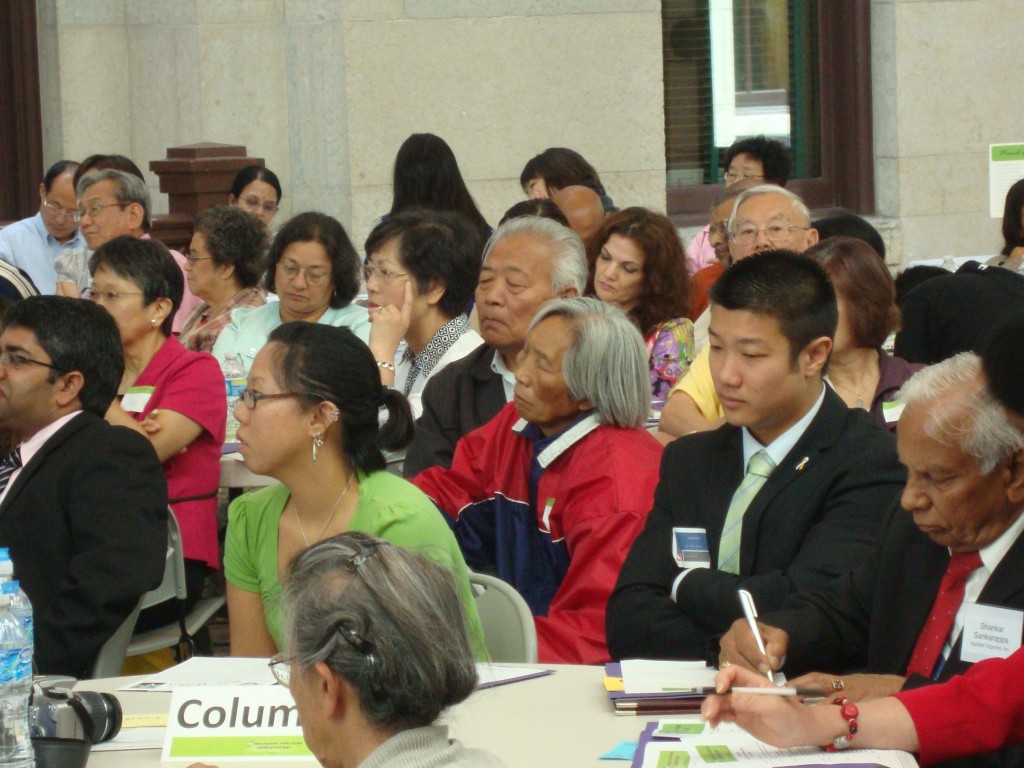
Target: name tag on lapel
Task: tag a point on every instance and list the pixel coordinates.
(690, 548)
(990, 632)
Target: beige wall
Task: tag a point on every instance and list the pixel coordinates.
(327, 91)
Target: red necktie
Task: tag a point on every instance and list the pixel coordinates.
(940, 621)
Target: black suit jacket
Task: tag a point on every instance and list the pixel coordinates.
(462, 397)
(86, 524)
(818, 514)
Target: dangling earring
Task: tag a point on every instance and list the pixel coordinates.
(318, 440)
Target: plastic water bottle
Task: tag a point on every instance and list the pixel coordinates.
(234, 382)
(20, 606)
(15, 686)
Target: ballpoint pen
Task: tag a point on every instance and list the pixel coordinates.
(750, 611)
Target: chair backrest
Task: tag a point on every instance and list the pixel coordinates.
(509, 631)
(110, 659)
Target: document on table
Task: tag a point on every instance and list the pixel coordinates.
(644, 676)
(201, 671)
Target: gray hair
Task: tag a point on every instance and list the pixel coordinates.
(569, 256)
(770, 189)
(606, 363)
(128, 189)
(987, 434)
(385, 619)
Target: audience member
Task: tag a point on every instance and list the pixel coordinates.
(172, 396)
(718, 239)
(526, 262)
(640, 269)
(1011, 256)
(84, 513)
(552, 491)
(956, 312)
(1003, 359)
(557, 168)
(535, 206)
(859, 370)
(911, 277)
(33, 244)
(309, 419)
(956, 542)
(851, 225)
(223, 269)
(427, 175)
(763, 218)
(112, 203)
(257, 191)
(748, 163)
(786, 496)
(15, 284)
(583, 208)
(314, 269)
(420, 273)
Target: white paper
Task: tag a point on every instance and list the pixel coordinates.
(1005, 167)
(133, 738)
(202, 671)
(490, 675)
(990, 632)
(644, 676)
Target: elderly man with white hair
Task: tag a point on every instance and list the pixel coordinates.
(553, 490)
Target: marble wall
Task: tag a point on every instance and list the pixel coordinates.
(327, 90)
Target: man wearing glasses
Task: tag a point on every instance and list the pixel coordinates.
(33, 244)
(83, 504)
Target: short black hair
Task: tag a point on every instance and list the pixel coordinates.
(435, 247)
(58, 168)
(538, 206)
(78, 335)
(313, 227)
(1004, 364)
(911, 277)
(561, 167)
(148, 265)
(774, 157)
(252, 173)
(850, 225)
(786, 286)
(234, 237)
(104, 163)
(320, 362)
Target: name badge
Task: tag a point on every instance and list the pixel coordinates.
(891, 411)
(690, 548)
(990, 632)
(136, 399)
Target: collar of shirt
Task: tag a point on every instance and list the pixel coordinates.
(507, 377)
(30, 447)
(993, 554)
(783, 444)
(75, 241)
(431, 354)
(548, 448)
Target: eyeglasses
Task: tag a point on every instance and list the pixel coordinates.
(95, 209)
(385, 275)
(281, 665)
(253, 203)
(731, 177)
(718, 228)
(109, 296)
(775, 234)
(281, 668)
(61, 213)
(314, 275)
(250, 397)
(17, 361)
(191, 258)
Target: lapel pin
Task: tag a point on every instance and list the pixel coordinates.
(803, 463)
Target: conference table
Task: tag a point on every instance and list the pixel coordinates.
(561, 719)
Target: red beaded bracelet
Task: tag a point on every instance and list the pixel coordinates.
(850, 713)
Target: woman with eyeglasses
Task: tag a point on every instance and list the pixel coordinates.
(310, 418)
(257, 191)
(314, 269)
(420, 275)
(173, 396)
(223, 269)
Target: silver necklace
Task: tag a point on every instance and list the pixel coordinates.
(298, 520)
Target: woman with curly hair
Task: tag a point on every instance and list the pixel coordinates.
(642, 268)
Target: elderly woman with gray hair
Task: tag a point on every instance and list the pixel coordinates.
(368, 669)
(553, 490)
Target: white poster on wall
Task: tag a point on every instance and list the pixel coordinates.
(1005, 168)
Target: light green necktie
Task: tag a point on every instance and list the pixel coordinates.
(759, 468)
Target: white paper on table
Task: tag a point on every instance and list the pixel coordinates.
(203, 671)
(489, 675)
(645, 676)
(133, 738)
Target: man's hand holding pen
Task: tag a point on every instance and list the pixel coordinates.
(739, 646)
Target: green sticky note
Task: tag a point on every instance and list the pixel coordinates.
(682, 729)
(718, 753)
(674, 759)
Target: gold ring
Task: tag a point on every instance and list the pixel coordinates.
(723, 664)
(837, 685)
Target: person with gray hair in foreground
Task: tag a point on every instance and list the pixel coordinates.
(368, 669)
(553, 490)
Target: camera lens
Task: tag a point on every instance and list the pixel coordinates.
(104, 712)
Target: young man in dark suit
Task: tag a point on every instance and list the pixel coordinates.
(83, 505)
(788, 494)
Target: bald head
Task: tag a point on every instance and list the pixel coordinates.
(582, 207)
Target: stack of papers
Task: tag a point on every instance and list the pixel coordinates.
(639, 687)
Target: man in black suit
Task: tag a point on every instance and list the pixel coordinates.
(964, 494)
(526, 262)
(84, 512)
(830, 472)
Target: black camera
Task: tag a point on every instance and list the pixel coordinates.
(65, 724)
